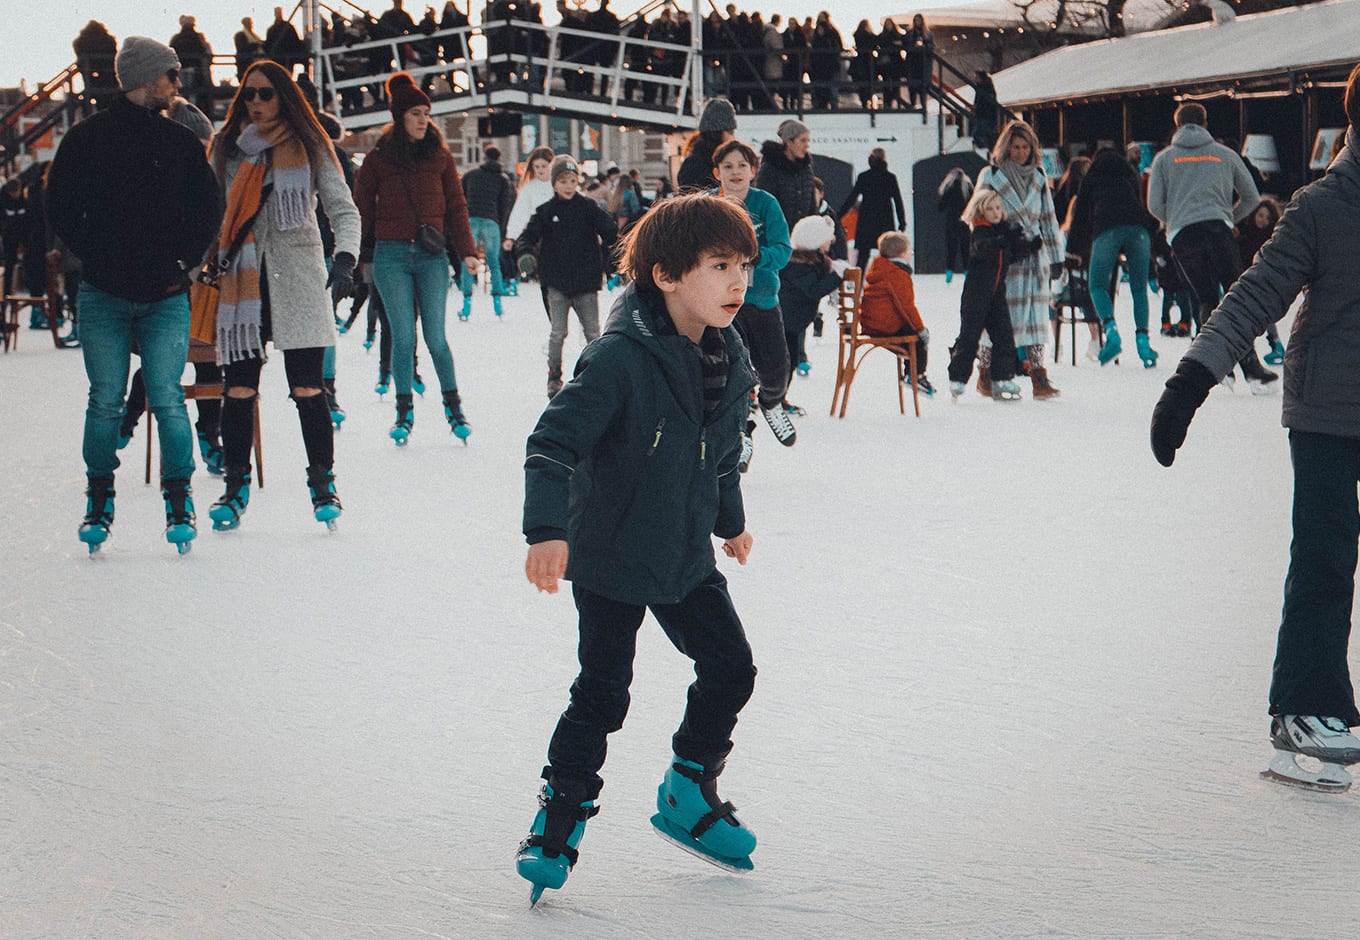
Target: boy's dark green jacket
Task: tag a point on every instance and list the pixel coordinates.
(627, 468)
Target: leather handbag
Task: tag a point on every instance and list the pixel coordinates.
(428, 238)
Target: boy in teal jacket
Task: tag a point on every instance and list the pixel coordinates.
(629, 474)
(761, 322)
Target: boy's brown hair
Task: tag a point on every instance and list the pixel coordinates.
(741, 147)
(893, 245)
(677, 233)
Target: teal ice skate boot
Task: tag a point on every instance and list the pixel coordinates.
(692, 816)
(406, 419)
(548, 854)
(1113, 347)
(226, 513)
(325, 503)
(94, 528)
(180, 530)
(1145, 351)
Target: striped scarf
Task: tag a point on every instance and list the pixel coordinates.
(265, 146)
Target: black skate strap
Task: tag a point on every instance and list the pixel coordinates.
(708, 786)
(562, 817)
(708, 820)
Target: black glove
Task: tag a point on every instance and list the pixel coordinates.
(1055, 270)
(341, 280)
(1185, 392)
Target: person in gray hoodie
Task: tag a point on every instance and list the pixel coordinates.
(1199, 190)
(1314, 248)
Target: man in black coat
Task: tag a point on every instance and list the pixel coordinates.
(786, 171)
(132, 195)
(490, 196)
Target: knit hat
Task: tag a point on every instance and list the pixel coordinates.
(404, 95)
(718, 115)
(791, 129)
(184, 112)
(811, 233)
(141, 60)
(563, 163)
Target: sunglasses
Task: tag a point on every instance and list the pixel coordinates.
(173, 75)
(249, 92)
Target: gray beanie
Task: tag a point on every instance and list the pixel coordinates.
(791, 129)
(141, 60)
(184, 112)
(718, 115)
(563, 163)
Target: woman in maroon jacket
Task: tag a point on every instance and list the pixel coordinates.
(414, 214)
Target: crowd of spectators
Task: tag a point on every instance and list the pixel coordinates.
(758, 63)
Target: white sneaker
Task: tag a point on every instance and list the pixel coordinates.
(1327, 739)
(778, 420)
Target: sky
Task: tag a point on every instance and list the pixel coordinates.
(35, 42)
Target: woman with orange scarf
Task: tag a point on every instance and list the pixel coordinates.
(273, 161)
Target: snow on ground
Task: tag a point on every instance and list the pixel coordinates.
(1012, 677)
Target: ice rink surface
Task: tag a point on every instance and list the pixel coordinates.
(1012, 683)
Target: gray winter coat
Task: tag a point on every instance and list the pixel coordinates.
(299, 304)
(1316, 247)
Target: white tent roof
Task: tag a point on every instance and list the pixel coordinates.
(1082, 15)
(1326, 33)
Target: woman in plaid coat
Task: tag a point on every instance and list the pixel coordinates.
(1017, 175)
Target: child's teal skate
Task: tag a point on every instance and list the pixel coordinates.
(548, 854)
(1276, 355)
(690, 815)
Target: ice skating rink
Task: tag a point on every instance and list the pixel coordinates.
(1012, 680)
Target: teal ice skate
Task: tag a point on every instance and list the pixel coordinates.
(94, 528)
(180, 530)
(1145, 351)
(548, 854)
(691, 816)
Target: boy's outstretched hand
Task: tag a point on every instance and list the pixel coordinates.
(739, 547)
(546, 564)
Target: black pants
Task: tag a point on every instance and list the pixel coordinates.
(763, 331)
(995, 318)
(704, 626)
(957, 236)
(1311, 676)
(1209, 263)
(303, 369)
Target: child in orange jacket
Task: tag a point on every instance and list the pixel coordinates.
(888, 305)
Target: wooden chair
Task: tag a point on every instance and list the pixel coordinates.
(1071, 306)
(16, 300)
(855, 345)
(204, 352)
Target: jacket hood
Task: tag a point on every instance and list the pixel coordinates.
(632, 317)
(1192, 136)
(772, 152)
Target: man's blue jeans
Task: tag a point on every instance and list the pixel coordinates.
(109, 326)
(488, 232)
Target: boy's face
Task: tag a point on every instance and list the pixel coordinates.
(734, 173)
(709, 295)
(566, 185)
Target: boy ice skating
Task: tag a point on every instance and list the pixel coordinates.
(561, 233)
(630, 472)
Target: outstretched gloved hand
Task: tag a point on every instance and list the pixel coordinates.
(1185, 392)
(341, 280)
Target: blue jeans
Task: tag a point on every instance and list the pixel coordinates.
(108, 327)
(407, 276)
(488, 232)
(1136, 245)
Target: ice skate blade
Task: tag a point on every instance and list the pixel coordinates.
(680, 839)
(535, 893)
(1285, 769)
(184, 547)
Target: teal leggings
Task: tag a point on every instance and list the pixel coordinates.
(1134, 243)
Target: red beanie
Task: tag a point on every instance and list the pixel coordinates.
(404, 95)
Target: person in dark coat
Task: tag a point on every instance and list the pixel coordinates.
(717, 125)
(919, 44)
(282, 42)
(560, 233)
(954, 192)
(880, 205)
(786, 171)
(864, 66)
(629, 474)
(193, 50)
(986, 112)
(809, 276)
(1312, 702)
(95, 49)
(490, 197)
(249, 45)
